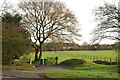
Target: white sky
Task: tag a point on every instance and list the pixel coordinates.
(83, 11)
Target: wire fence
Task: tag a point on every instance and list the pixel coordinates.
(97, 58)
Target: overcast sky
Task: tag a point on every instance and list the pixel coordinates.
(83, 10)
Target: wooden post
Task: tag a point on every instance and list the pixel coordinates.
(90, 57)
(96, 58)
(56, 60)
(116, 59)
(93, 58)
(100, 58)
(30, 60)
(110, 61)
(105, 58)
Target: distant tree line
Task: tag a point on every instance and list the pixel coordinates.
(73, 46)
(97, 47)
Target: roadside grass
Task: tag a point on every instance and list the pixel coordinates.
(27, 67)
(82, 68)
(99, 67)
(64, 55)
(98, 71)
(79, 74)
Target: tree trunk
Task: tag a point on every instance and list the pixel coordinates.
(36, 55)
(40, 55)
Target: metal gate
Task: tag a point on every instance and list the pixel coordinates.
(52, 60)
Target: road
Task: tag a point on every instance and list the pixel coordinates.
(29, 75)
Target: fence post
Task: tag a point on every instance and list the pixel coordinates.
(90, 57)
(93, 58)
(30, 60)
(105, 58)
(96, 58)
(110, 61)
(56, 60)
(116, 59)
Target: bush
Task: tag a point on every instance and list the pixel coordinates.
(24, 59)
(105, 62)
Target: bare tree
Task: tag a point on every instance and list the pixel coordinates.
(108, 17)
(48, 19)
(3, 7)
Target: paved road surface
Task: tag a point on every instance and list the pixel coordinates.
(29, 75)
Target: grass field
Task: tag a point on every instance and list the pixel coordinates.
(98, 71)
(63, 55)
(81, 68)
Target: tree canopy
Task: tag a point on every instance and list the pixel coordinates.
(48, 20)
(108, 22)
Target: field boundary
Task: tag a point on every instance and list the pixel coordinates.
(95, 58)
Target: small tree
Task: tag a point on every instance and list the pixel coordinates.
(109, 23)
(14, 39)
(47, 20)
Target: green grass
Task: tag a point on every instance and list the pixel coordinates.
(99, 71)
(64, 55)
(81, 68)
(79, 74)
(96, 71)
(28, 67)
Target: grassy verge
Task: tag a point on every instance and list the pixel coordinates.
(80, 74)
(27, 67)
(98, 71)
